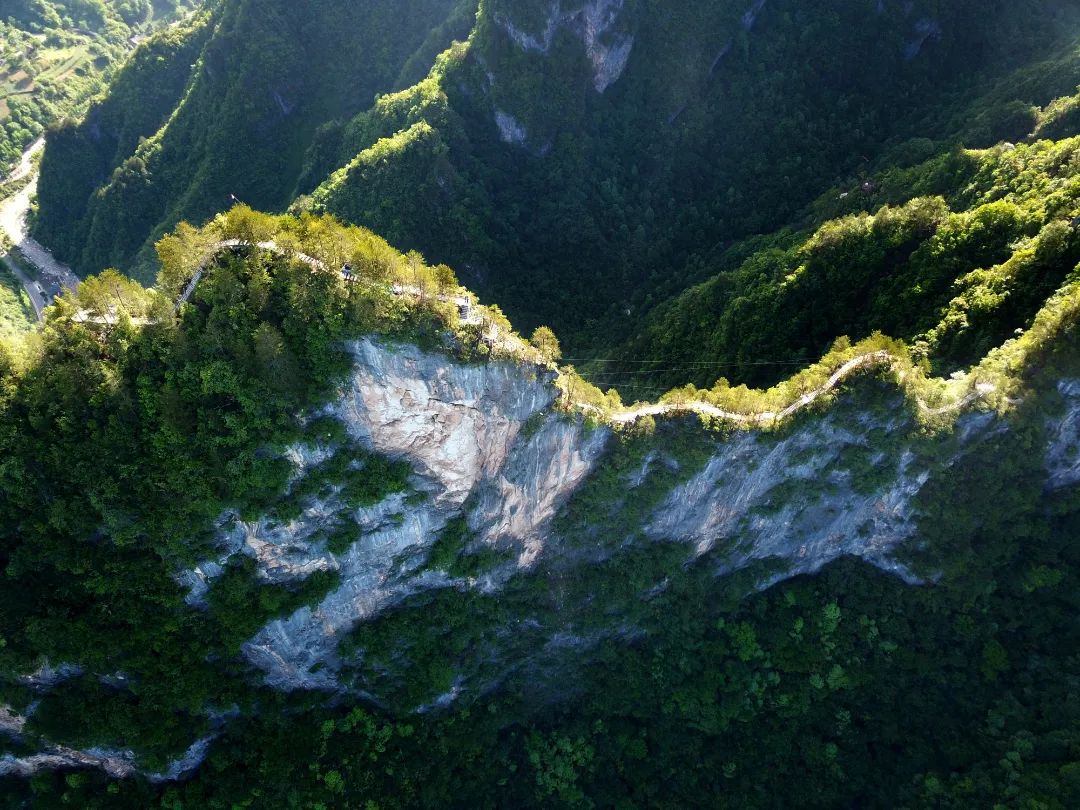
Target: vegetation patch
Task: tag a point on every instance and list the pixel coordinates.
(242, 603)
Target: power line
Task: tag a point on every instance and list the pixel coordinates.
(640, 373)
(589, 361)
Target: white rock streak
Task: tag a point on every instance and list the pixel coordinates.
(594, 22)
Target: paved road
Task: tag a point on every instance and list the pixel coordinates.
(13, 223)
(28, 285)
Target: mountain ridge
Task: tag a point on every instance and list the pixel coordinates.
(444, 182)
(791, 524)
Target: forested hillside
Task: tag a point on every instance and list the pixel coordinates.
(305, 525)
(635, 665)
(223, 109)
(723, 122)
(577, 161)
(953, 256)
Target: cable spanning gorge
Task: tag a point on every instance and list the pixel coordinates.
(963, 391)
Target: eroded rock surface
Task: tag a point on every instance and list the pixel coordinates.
(595, 22)
(461, 429)
(488, 451)
(485, 446)
(1063, 453)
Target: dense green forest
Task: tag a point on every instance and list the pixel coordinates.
(222, 110)
(953, 255)
(850, 688)
(700, 199)
(616, 201)
(722, 125)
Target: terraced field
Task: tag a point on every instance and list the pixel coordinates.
(48, 73)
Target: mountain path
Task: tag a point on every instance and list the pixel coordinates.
(628, 416)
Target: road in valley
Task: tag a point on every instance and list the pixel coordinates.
(53, 274)
(26, 162)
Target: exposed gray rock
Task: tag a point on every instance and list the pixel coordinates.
(1063, 451)
(455, 423)
(515, 506)
(925, 30)
(510, 129)
(484, 445)
(191, 760)
(116, 764)
(48, 676)
(749, 19)
(752, 501)
(61, 758)
(594, 22)
(11, 723)
(459, 426)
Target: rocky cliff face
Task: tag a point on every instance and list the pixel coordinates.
(462, 428)
(485, 446)
(489, 453)
(1063, 452)
(117, 764)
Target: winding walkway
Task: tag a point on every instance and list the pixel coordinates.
(217, 248)
(511, 343)
(763, 418)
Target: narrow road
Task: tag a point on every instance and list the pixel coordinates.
(13, 213)
(26, 162)
(28, 285)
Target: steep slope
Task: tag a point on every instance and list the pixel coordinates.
(952, 256)
(578, 160)
(80, 159)
(306, 526)
(575, 159)
(267, 77)
(57, 55)
(272, 531)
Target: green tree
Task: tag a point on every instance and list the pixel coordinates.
(544, 341)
